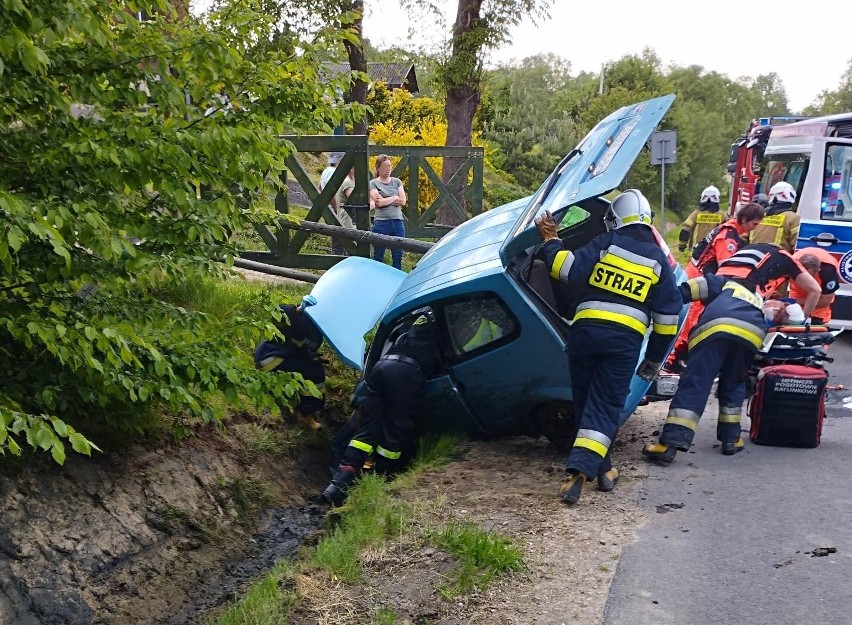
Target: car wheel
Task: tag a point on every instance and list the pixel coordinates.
(556, 422)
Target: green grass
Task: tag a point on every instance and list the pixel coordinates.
(481, 555)
(266, 603)
(249, 495)
(372, 515)
(259, 440)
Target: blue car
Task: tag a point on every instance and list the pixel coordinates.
(504, 344)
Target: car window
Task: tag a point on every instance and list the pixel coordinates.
(790, 168)
(837, 183)
(476, 323)
(572, 217)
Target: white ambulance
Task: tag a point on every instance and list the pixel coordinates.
(815, 156)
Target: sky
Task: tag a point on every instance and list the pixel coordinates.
(737, 38)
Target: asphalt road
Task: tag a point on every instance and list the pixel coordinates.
(728, 538)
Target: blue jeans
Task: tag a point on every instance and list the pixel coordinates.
(392, 227)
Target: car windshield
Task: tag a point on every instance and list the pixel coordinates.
(784, 167)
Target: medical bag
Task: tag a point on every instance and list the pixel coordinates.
(788, 406)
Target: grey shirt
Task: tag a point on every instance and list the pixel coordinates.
(387, 189)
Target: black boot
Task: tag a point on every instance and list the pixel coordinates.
(335, 492)
(729, 449)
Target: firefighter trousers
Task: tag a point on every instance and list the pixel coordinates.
(384, 423)
(721, 355)
(603, 359)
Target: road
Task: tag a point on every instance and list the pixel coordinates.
(727, 539)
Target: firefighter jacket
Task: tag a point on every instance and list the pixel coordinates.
(697, 226)
(622, 280)
(828, 278)
(719, 245)
(780, 227)
(301, 338)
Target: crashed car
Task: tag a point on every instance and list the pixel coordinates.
(502, 340)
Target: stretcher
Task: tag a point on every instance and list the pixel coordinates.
(803, 345)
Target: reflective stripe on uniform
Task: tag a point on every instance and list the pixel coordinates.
(730, 414)
(390, 455)
(698, 288)
(683, 417)
(628, 316)
(593, 440)
(742, 293)
(561, 265)
(630, 259)
(665, 324)
(360, 445)
(729, 325)
(268, 364)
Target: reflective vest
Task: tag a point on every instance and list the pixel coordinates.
(698, 225)
(719, 245)
(827, 277)
(780, 228)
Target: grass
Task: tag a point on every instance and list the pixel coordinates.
(258, 440)
(249, 495)
(481, 555)
(374, 514)
(266, 602)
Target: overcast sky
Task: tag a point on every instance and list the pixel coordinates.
(733, 37)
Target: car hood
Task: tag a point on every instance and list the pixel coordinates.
(351, 297)
(596, 166)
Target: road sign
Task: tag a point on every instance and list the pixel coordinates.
(664, 147)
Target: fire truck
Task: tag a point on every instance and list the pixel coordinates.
(744, 163)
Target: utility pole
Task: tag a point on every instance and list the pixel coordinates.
(600, 88)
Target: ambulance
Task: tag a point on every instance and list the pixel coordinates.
(815, 156)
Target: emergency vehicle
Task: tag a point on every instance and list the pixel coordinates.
(815, 157)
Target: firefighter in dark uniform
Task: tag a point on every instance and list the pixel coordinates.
(623, 284)
(781, 225)
(724, 341)
(700, 222)
(383, 425)
(296, 352)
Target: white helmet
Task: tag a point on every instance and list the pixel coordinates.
(782, 192)
(630, 207)
(710, 194)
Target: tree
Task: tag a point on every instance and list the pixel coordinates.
(479, 27)
(832, 102)
(109, 129)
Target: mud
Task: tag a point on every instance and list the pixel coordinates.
(147, 536)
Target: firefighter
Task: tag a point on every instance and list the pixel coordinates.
(781, 225)
(296, 352)
(700, 222)
(724, 342)
(623, 283)
(719, 245)
(825, 268)
(383, 425)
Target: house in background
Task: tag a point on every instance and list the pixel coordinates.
(395, 75)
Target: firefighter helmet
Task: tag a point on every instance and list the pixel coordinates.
(710, 194)
(762, 199)
(630, 207)
(782, 192)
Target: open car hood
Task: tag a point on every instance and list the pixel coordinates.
(596, 166)
(351, 297)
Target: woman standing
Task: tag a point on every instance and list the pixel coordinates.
(389, 196)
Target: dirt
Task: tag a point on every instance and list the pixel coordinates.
(148, 535)
(507, 486)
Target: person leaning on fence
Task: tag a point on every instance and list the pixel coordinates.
(389, 198)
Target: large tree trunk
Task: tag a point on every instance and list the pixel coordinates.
(462, 78)
(357, 62)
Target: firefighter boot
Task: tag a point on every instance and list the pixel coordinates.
(659, 453)
(729, 449)
(335, 492)
(306, 420)
(608, 480)
(572, 489)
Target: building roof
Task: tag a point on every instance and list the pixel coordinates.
(395, 75)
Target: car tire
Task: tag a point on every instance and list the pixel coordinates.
(557, 423)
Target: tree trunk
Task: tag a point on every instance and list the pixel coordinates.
(357, 62)
(462, 79)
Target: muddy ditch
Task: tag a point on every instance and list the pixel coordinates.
(150, 536)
